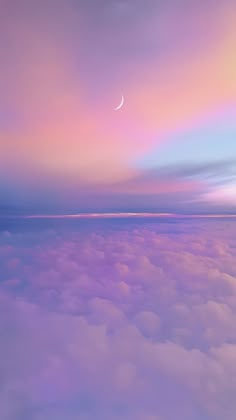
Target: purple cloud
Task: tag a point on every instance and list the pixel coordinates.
(133, 322)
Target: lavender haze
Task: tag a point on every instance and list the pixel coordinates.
(117, 223)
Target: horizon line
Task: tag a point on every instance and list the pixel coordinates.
(121, 215)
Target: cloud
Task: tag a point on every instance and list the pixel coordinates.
(204, 187)
(118, 320)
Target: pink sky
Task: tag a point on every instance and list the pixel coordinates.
(64, 69)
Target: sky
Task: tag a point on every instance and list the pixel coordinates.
(117, 317)
(65, 66)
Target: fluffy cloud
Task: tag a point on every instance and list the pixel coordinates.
(118, 321)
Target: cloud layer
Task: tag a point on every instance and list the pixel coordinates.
(118, 321)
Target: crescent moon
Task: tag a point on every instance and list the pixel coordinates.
(121, 104)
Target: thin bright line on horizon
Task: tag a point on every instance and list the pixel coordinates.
(123, 215)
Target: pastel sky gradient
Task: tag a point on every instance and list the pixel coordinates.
(64, 67)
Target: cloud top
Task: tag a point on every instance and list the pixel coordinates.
(133, 321)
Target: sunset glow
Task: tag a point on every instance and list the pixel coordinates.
(66, 65)
(118, 210)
